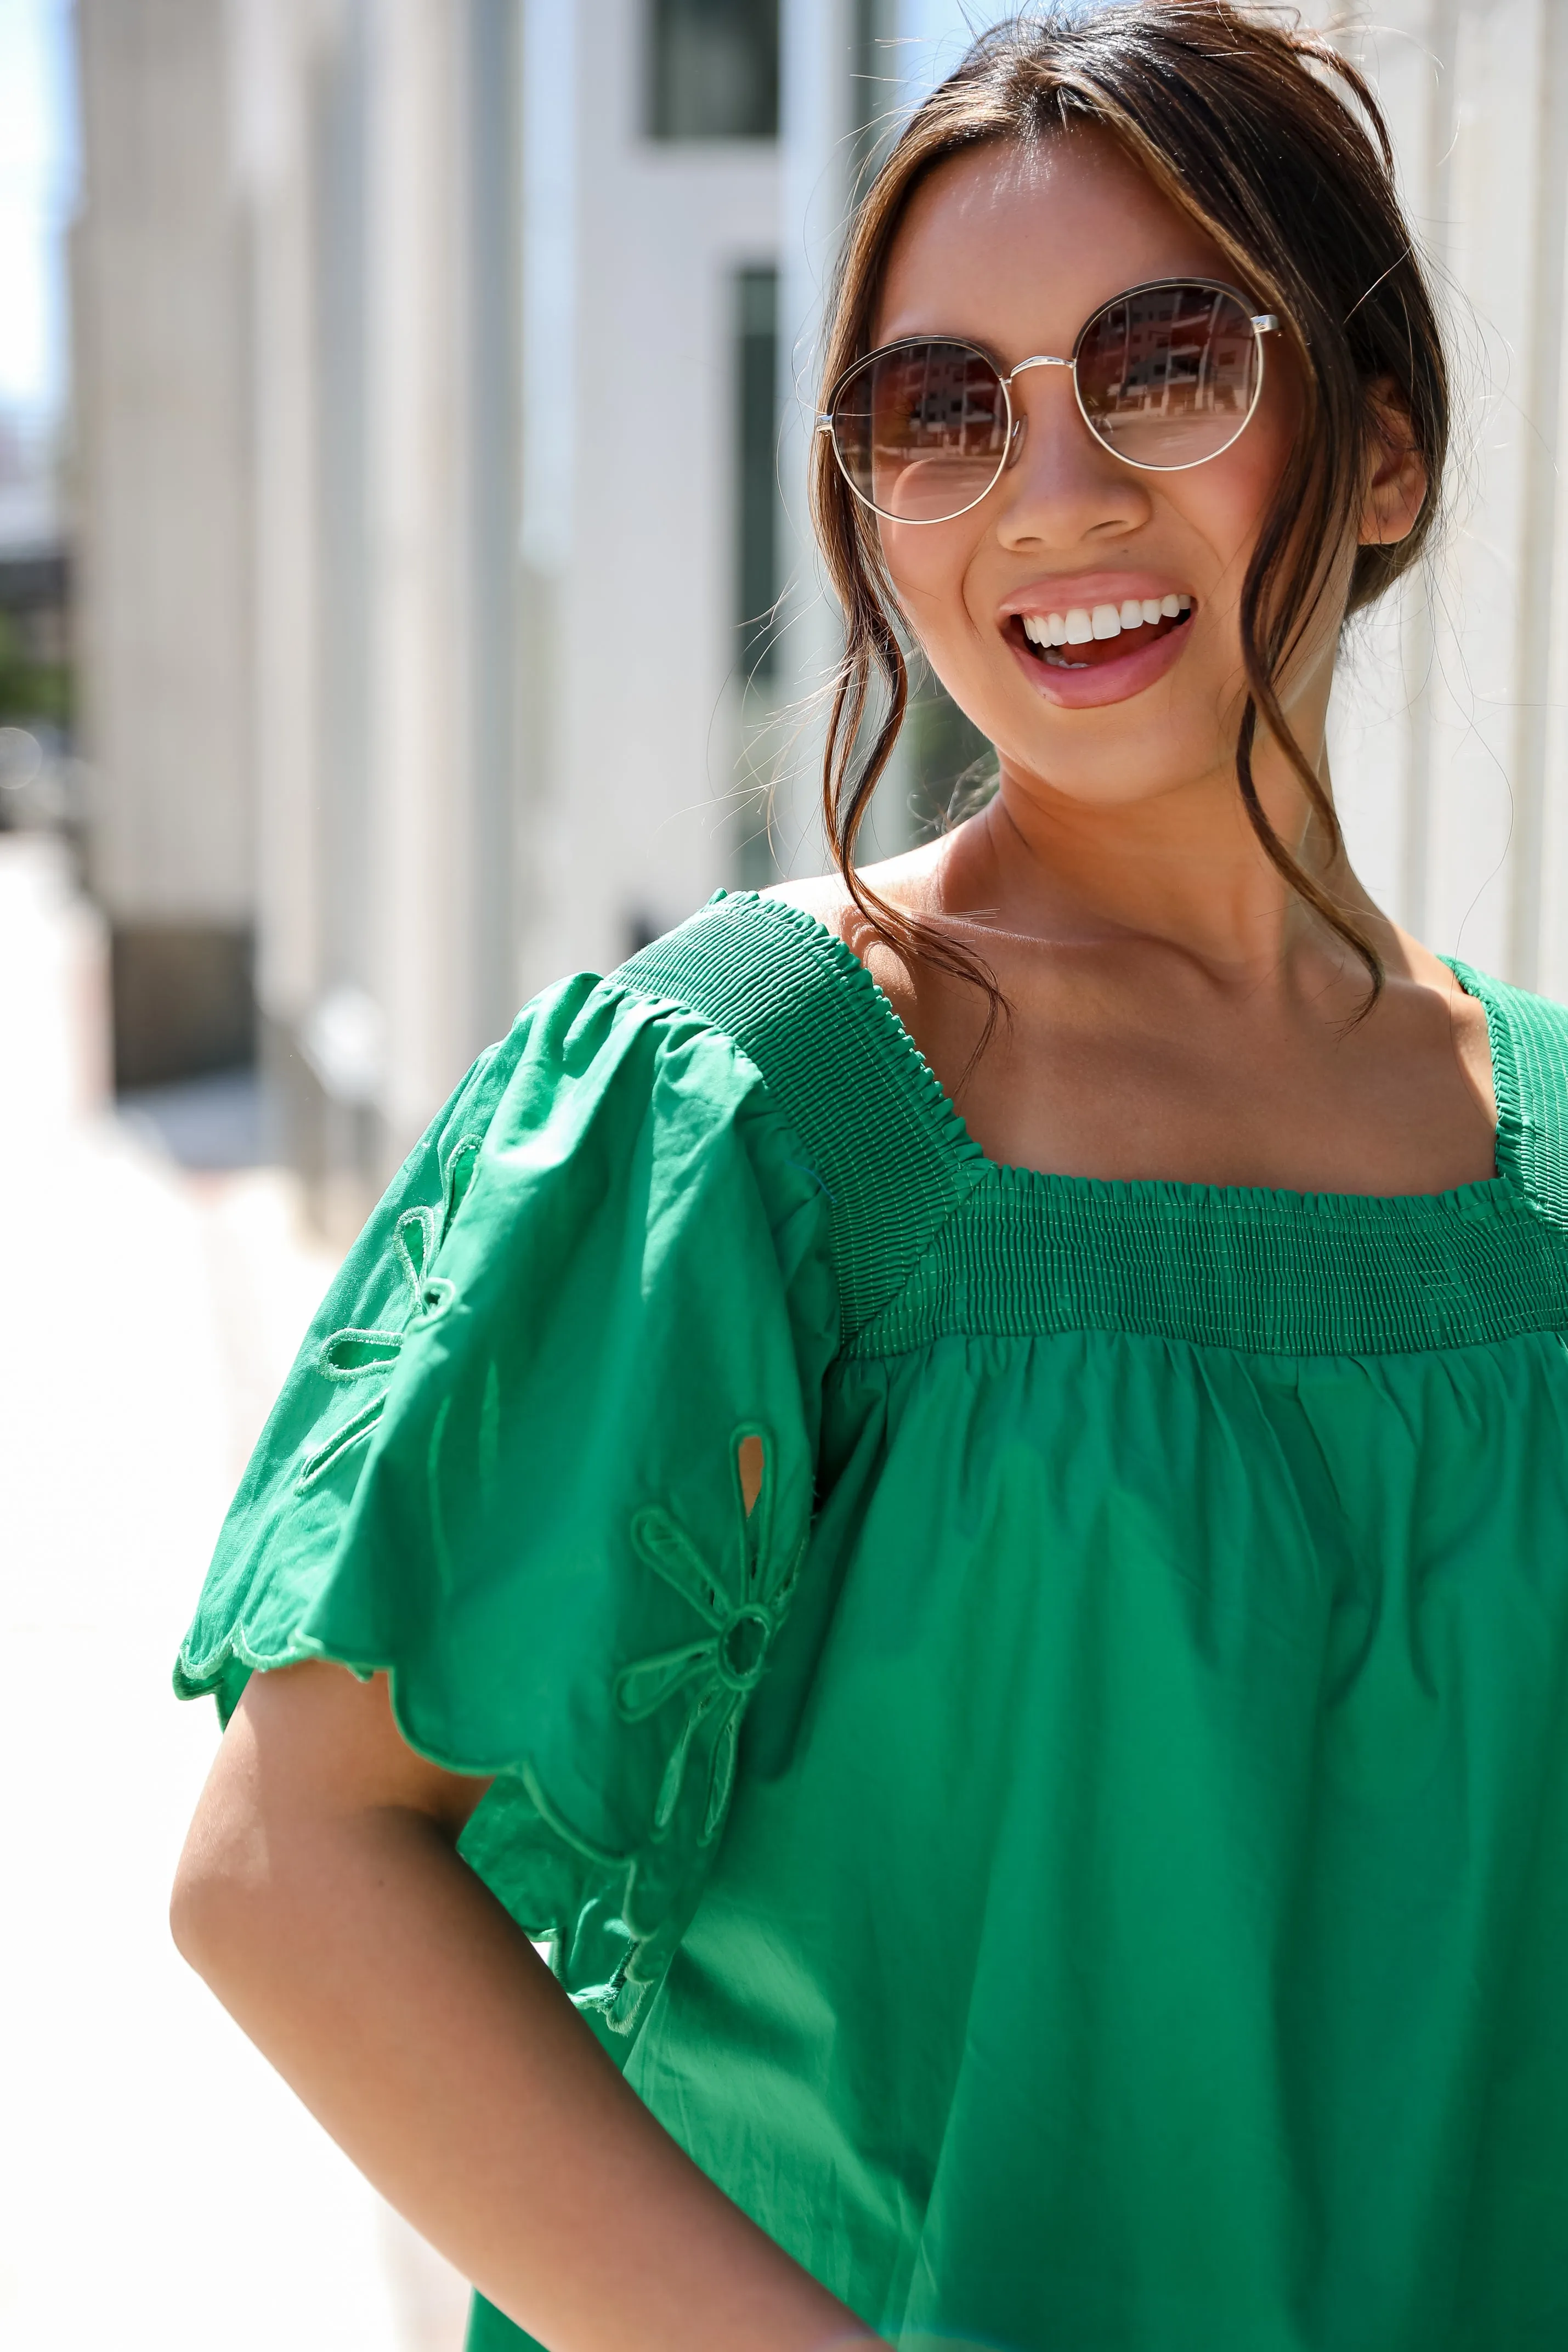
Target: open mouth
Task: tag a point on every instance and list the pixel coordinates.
(1088, 636)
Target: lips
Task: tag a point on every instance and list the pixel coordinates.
(1073, 637)
(1102, 646)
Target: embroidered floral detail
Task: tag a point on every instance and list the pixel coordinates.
(742, 1606)
(356, 1352)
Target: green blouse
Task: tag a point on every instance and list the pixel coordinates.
(1080, 1853)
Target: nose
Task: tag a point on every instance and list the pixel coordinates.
(1061, 487)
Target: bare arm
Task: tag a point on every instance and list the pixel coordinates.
(321, 1897)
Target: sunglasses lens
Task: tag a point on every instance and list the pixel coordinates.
(921, 430)
(1169, 377)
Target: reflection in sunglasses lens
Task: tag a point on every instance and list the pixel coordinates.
(923, 430)
(1166, 377)
(1169, 377)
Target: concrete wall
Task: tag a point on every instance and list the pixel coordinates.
(1450, 729)
(444, 343)
(298, 293)
(408, 417)
(629, 515)
(1450, 756)
(164, 532)
(161, 434)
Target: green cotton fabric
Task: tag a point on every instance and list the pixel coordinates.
(1080, 1854)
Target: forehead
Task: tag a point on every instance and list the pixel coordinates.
(1014, 247)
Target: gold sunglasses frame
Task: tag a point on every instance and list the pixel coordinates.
(1262, 322)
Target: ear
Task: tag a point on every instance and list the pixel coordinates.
(1397, 482)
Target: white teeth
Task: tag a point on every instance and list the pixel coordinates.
(1081, 623)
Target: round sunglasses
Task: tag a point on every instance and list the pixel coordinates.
(1166, 377)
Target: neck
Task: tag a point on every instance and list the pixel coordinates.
(1185, 867)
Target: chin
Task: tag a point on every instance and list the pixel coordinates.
(1094, 759)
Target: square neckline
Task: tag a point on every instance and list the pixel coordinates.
(1502, 1189)
(932, 1238)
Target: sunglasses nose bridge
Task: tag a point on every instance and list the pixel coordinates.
(1040, 359)
(1020, 420)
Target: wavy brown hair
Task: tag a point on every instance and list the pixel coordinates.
(1273, 144)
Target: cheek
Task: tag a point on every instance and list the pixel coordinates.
(1223, 505)
(1247, 477)
(928, 566)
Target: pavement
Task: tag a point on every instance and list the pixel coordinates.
(159, 2184)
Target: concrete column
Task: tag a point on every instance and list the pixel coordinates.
(631, 248)
(417, 848)
(818, 123)
(271, 60)
(1449, 755)
(163, 518)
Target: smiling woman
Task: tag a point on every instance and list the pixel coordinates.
(1017, 1657)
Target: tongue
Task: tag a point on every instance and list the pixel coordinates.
(1100, 650)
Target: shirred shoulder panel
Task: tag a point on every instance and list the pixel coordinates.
(548, 1457)
(895, 1157)
(1530, 1078)
(933, 1239)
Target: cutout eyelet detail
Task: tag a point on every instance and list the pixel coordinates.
(743, 1648)
(716, 1674)
(354, 1354)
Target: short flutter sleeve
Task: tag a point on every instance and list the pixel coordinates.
(548, 1457)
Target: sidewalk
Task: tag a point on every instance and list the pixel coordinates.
(158, 2185)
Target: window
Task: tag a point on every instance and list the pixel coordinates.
(715, 69)
(756, 482)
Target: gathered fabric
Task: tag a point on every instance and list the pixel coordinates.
(1032, 1714)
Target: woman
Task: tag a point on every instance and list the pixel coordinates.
(1020, 1660)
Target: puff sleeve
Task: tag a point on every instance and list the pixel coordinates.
(548, 1458)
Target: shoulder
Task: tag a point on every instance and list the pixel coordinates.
(800, 972)
(824, 897)
(1529, 1040)
(776, 974)
(908, 884)
(1540, 1023)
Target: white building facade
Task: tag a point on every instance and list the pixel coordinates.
(508, 323)
(1450, 754)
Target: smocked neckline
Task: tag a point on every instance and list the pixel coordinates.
(1499, 1193)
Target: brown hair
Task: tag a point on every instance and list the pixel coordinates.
(1239, 122)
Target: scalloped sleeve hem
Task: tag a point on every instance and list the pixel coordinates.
(547, 1459)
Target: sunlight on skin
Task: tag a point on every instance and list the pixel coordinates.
(1118, 892)
(1160, 764)
(968, 263)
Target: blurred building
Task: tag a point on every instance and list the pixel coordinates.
(158, 305)
(422, 346)
(1451, 744)
(445, 377)
(36, 774)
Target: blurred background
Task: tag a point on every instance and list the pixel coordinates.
(404, 598)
